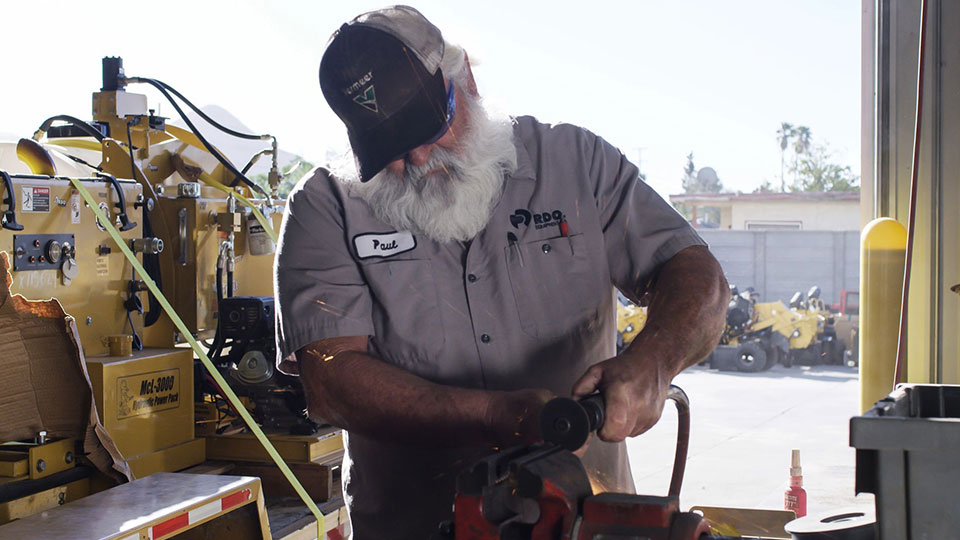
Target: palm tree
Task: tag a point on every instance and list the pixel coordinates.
(800, 146)
(784, 134)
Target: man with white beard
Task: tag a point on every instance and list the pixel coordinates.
(465, 273)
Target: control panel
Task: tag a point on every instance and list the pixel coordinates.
(42, 251)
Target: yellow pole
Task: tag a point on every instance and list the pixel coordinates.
(883, 245)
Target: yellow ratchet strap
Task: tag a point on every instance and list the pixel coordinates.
(211, 369)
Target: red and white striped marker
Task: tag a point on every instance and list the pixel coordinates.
(196, 515)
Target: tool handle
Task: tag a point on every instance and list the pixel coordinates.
(595, 409)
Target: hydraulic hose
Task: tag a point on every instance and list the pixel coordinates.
(200, 113)
(210, 148)
(217, 344)
(256, 157)
(82, 125)
(225, 129)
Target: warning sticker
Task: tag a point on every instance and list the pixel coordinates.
(34, 199)
(147, 393)
(75, 205)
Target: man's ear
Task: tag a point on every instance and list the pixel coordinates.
(471, 84)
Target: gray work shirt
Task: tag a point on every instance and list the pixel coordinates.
(526, 304)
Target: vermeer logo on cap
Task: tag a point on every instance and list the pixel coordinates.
(383, 244)
(368, 98)
(358, 84)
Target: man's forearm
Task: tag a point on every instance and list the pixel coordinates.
(363, 394)
(687, 311)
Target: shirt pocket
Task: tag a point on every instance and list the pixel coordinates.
(555, 286)
(406, 316)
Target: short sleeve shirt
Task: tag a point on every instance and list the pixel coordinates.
(528, 303)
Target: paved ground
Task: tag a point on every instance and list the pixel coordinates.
(743, 426)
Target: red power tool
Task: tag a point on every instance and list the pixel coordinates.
(542, 492)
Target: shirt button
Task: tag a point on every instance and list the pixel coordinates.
(546, 248)
(485, 338)
(472, 278)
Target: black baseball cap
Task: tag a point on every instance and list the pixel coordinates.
(381, 75)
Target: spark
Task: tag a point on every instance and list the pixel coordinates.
(454, 308)
(323, 306)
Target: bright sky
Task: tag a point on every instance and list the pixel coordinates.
(659, 79)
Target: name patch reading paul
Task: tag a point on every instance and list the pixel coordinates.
(383, 244)
(147, 392)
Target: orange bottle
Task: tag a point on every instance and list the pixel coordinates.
(795, 498)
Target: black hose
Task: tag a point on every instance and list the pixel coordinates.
(229, 283)
(253, 160)
(202, 114)
(137, 343)
(217, 345)
(210, 148)
(84, 126)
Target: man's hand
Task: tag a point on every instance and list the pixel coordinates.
(684, 321)
(634, 391)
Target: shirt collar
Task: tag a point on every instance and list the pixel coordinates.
(525, 169)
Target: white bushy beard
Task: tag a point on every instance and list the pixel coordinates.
(456, 202)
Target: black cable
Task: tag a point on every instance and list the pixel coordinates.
(217, 345)
(204, 115)
(133, 165)
(84, 126)
(210, 148)
(229, 283)
(133, 304)
(218, 125)
(84, 162)
(137, 343)
(253, 160)
(151, 262)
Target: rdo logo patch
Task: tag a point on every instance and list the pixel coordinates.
(540, 220)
